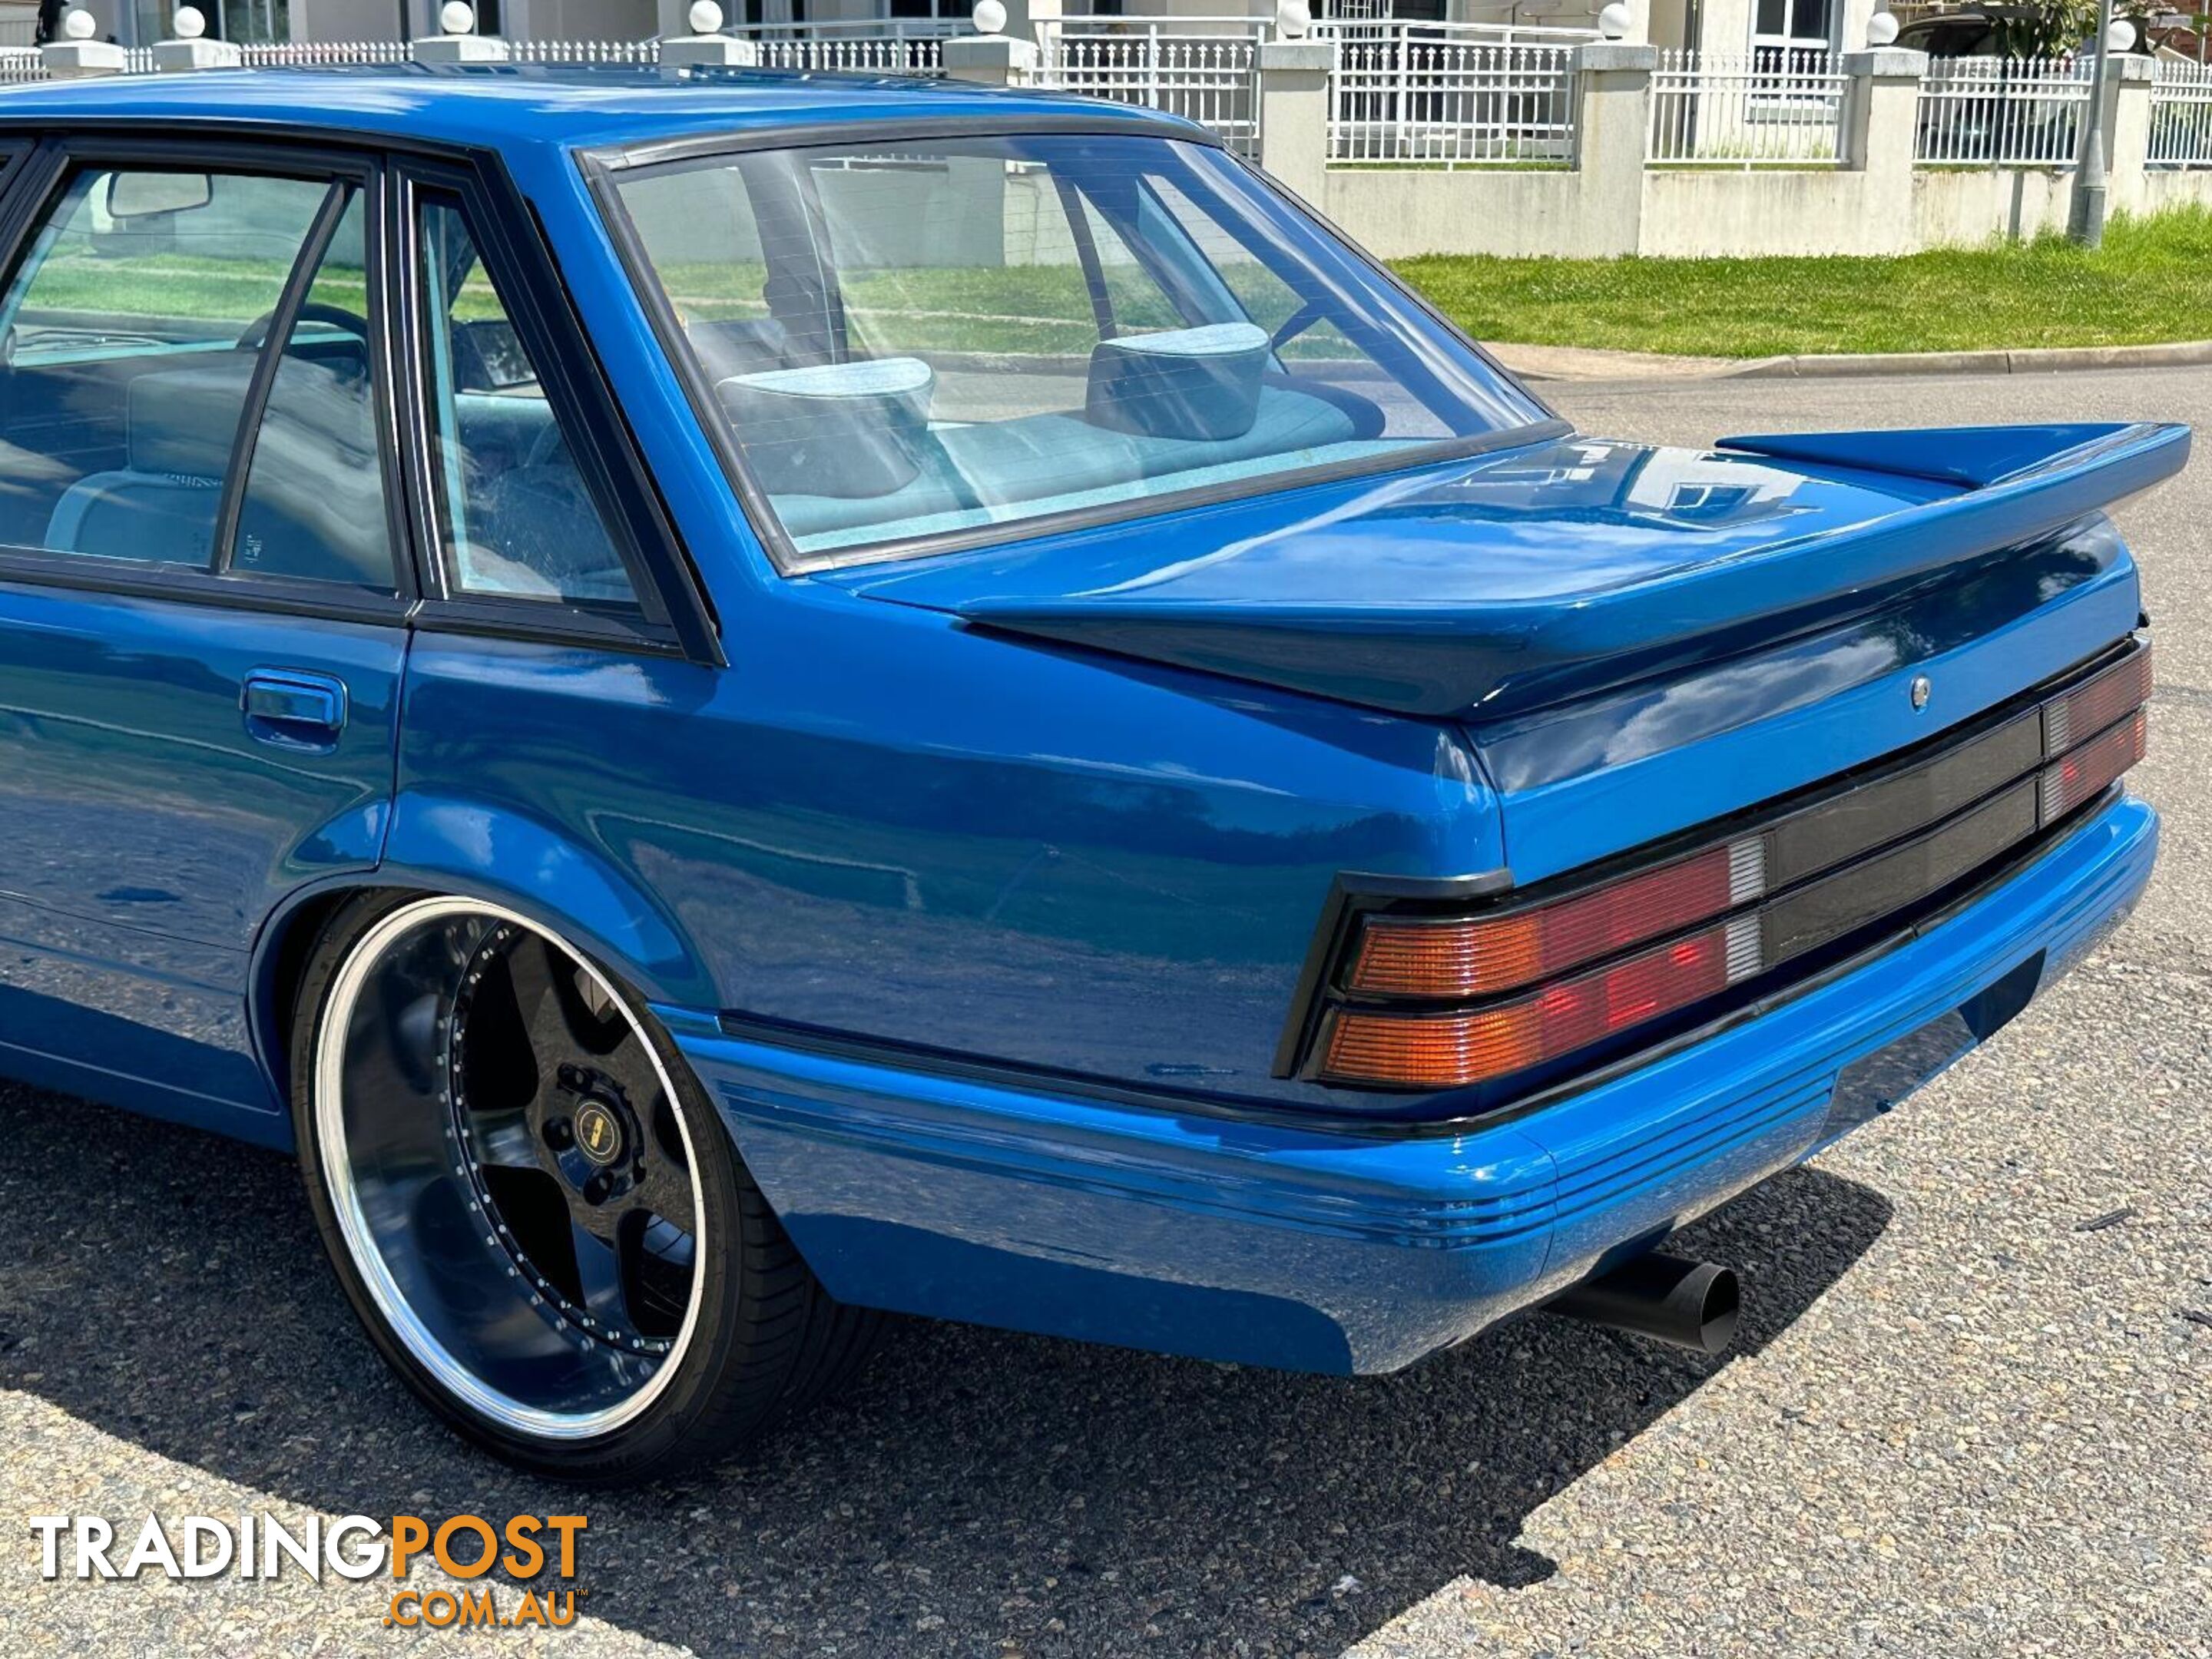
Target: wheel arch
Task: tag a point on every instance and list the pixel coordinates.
(502, 858)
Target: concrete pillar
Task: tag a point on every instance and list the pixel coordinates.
(460, 44)
(2127, 128)
(1882, 110)
(1294, 114)
(1034, 21)
(191, 49)
(1611, 130)
(77, 56)
(171, 56)
(991, 60)
(1882, 118)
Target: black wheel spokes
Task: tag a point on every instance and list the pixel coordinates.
(553, 1004)
(584, 1181)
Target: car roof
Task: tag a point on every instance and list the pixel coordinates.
(500, 106)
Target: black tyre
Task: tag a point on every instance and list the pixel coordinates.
(532, 1206)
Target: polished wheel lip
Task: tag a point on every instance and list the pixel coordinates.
(451, 1373)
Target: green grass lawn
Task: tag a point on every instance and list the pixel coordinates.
(2151, 281)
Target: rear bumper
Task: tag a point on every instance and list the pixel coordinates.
(1326, 1251)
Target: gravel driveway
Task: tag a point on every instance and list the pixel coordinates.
(1959, 1421)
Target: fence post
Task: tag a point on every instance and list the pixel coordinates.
(1612, 126)
(2127, 127)
(76, 55)
(706, 46)
(1880, 134)
(991, 60)
(1034, 21)
(1294, 114)
(189, 51)
(460, 43)
(1881, 115)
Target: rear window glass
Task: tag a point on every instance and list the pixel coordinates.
(917, 341)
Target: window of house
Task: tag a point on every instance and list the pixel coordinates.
(515, 516)
(1802, 24)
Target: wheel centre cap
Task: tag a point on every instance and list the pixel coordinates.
(599, 1133)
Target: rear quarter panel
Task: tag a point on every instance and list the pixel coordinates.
(877, 822)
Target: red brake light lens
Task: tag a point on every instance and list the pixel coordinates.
(1530, 970)
(1478, 957)
(2083, 713)
(2086, 773)
(1450, 1051)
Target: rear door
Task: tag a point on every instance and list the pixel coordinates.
(203, 597)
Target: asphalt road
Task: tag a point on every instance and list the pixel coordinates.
(1957, 1424)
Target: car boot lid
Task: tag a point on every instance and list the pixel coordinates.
(1529, 576)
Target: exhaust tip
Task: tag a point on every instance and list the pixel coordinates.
(1690, 1305)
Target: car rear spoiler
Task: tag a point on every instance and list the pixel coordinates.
(1392, 646)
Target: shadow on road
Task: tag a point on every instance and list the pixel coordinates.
(979, 1492)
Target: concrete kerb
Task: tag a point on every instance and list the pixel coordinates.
(1569, 363)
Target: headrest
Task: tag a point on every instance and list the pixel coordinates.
(186, 421)
(845, 429)
(1184, 383)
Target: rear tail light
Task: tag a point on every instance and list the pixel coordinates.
(2089, 709)
(1442, 1051)
(2088, 771)
(1538, 982)
(1429, 958)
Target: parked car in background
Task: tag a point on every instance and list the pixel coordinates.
(1999, 31)
(734, 701)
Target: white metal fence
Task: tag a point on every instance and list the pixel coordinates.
(1206, 69)
(1423, 94)
(2180, 115)
(892, 46)
(1779, 107)
(21, 67)
(321, 54)
(2002, 112)
(583, 52)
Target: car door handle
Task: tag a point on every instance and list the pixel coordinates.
(294, 708)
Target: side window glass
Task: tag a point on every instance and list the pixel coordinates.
(315, 503)
(128, 343)
(515, 515)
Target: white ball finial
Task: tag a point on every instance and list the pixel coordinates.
(1612, 23)
(1882, 29)
(989, 17)
(2121, 37)
(457, 17)
(1293, 20)
(78, 24)
(705, 17)
(189, 23)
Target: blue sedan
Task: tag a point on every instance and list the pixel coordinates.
(736, 702)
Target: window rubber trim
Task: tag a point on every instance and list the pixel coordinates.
(45, 149)
(672, 617)
(28, 195)
(268, 359)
